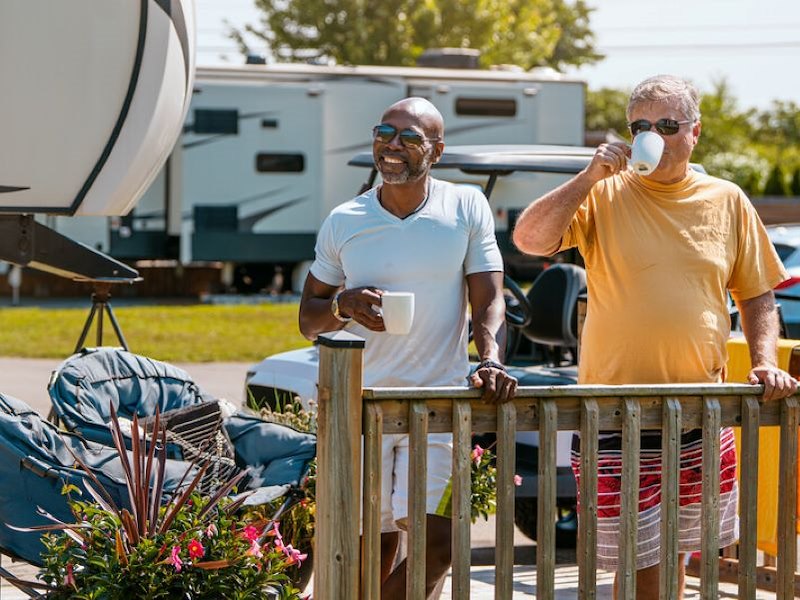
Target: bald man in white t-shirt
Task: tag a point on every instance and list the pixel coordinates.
(414, 234)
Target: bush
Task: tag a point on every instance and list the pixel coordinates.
(191, 547)
(746, 169)
(794, 188)
(775, 183)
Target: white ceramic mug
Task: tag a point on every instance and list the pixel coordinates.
(397, 309)
(646, 152)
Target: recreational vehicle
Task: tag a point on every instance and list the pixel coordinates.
(265, 150)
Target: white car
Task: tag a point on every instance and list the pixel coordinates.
(786, 239)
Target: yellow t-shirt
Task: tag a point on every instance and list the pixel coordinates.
(659, 260)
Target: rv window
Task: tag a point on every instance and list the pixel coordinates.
(486, 107)
(208, 121)
(280, 163)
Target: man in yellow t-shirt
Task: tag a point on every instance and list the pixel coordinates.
(662, 251)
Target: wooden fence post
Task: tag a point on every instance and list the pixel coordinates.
(338, 568)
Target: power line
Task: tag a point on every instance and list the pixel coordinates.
(701, 28)
(699, 47)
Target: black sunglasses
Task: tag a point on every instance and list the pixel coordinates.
(408, 137)
(663, 126)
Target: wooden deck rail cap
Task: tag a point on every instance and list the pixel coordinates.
(570, 391)
(340, 339)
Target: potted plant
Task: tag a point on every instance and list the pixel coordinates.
(189, 547)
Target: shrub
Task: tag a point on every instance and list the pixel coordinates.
(190, 547)
(746, 170)
(775, 183)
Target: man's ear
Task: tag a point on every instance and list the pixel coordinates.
(698, 126)
(438, 149)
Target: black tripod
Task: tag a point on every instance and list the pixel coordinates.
(101, 306)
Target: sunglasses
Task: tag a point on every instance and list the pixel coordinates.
(408, 137)
(663, 126)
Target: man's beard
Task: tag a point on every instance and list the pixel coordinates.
(410, 174)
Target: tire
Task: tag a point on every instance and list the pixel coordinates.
(525, 515)
(525, 518)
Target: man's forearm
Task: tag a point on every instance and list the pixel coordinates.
(760, 326)
(489, 330)
(316, 317)
(540, 226)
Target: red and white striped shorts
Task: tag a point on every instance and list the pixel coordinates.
(649, 522)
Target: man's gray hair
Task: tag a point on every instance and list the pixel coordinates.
(667, 87)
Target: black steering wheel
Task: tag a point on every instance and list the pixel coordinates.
(518, 314)
(518, 310)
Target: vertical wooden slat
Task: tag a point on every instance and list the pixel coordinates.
(587, 518)
(417, 477)
(629, 509)
(709, 530)
(339, 466)
(748, 505)
(670, 480)
(462, 509)
(787, 503)
(371, 541)
(546, 519)
(504, 524)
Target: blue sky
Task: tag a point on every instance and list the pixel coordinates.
(754, 44)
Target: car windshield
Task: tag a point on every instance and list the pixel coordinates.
(788, 255)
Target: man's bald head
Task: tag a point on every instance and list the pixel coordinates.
(423, 110)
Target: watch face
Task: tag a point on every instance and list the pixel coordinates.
(335, 310)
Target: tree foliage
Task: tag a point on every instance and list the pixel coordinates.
(527, 33)
(605, 111)
(726, 128)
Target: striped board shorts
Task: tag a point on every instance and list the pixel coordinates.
(649, 521)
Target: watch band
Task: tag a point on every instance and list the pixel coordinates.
(335, 309)
(492, 364)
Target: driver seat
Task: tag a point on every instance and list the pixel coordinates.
(554, 307)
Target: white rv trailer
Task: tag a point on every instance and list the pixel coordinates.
(264, 154)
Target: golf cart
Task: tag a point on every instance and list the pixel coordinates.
(542, 322)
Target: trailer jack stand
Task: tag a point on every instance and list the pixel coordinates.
(100, 306)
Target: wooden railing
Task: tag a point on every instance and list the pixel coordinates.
(348, 567)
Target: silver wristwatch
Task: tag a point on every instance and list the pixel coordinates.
(335, 309)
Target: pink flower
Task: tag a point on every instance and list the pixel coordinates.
(196, 550)
(275, 531)
(293, 555)
(517, 480)
(211, 530)
(250, 533)
(175, 559)
(69, 579)
(254, 549)
(477, 452)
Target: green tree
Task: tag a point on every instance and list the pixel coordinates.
(605, 111)
(794, 188)
(726, 128)
(775, 183)
(527, 33)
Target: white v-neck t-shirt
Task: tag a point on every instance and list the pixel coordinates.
(430, 253)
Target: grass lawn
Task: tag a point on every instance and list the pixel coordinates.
(201, 333)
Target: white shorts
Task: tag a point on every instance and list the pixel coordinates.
(394, 478)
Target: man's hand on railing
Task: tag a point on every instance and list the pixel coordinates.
(777, 382)
(497, 384)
